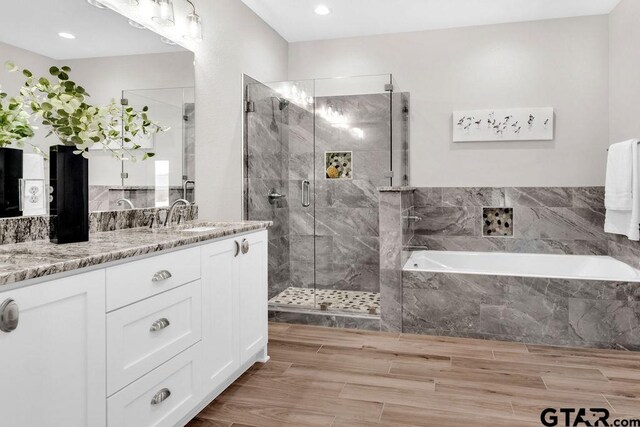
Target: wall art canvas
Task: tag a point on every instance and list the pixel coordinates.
(515, 124)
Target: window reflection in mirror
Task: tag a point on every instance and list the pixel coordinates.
(112, 60)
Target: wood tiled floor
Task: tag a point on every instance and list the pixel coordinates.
(334, 377)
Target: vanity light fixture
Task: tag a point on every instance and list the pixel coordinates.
(194, 25)
(163, 13)
(167, 41)
(322, 10)
(97, 4)
(137, 25)
(68, 36)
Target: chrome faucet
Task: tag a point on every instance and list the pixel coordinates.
(185, 187)
(172, 209)
(124, 201)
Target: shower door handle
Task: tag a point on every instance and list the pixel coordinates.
(306, 195)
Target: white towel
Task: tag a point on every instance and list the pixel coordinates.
(622, 190)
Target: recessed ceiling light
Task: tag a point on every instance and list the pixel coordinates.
(67, 36)
(322, 10)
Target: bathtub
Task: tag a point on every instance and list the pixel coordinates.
(565, 300)
(581, 267)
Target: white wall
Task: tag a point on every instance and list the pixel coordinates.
(555, 63)
(624, 23)
(236, 41)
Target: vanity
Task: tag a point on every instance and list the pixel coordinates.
(137, 327)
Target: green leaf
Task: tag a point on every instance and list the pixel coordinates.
(43, 81)
(54, 71)
(66, 69)
(10, 66)
(63, 76)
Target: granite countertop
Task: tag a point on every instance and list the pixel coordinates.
(31, 260)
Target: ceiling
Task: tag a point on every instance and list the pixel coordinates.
(34, 25)
(296, 21)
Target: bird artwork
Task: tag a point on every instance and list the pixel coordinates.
(515, 124)
(531, 119)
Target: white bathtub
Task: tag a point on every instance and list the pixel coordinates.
(523, 265)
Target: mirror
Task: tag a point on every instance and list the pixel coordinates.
(112, 58)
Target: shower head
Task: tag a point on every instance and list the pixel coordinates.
(283, 103)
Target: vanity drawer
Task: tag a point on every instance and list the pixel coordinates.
(137, 280)
(162, 397)
(144, 335)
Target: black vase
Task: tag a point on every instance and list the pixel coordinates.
(69, 206)
(10, 176)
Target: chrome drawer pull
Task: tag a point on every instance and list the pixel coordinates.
(160, 396)
(245, 246)
(237, 248)
(9, 314)
(159, 325)
(161, 275)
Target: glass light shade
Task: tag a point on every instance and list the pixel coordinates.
(194, 27)
(163, 13)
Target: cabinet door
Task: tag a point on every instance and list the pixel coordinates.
(252, 285)
(53, 363)
(219, 312)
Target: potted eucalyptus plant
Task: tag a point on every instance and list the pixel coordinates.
(62, 106)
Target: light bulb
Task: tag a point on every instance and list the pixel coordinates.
(194, 27)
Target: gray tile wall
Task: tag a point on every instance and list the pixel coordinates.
(267, 154)
(546, 220)
(531, 310)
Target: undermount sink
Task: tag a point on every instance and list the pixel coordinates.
(199, 229)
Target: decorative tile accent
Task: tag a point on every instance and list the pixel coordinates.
(497, 222)
(338, 164)
(329, 300)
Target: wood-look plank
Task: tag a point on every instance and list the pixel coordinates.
(611, 387)
(286, 383)
(303, 399)
(568, 360)
(465, 343)
(463, 375)
(585, 352)
(624, 405)
(367, 378)
(278, 327)
(393, 415)
(202, 422)
(528, 368)
(427, 400)
(618, 373)
(264, 415)
(421, 348)
(366, 353)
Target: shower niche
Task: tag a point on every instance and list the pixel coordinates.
(324, 146)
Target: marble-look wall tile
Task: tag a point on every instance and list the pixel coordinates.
(428, 196)
(448, 221)
(539, 196)
(324, 319)
(571, 312)
(469, 196)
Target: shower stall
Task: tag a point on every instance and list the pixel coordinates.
(315, 153)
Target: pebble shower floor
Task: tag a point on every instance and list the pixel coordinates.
(329, 300)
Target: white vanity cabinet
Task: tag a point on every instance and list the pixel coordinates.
(145, 342)
(234, 278)
(52, 365)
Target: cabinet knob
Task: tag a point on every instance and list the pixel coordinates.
(160, 396)
(9, 314)
(245, 246)
(159, 325)
(161, 275)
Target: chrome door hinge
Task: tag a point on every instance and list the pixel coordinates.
(249, 107)
(124, 101)
(388, 174)
(388, 88)
(124, 175)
